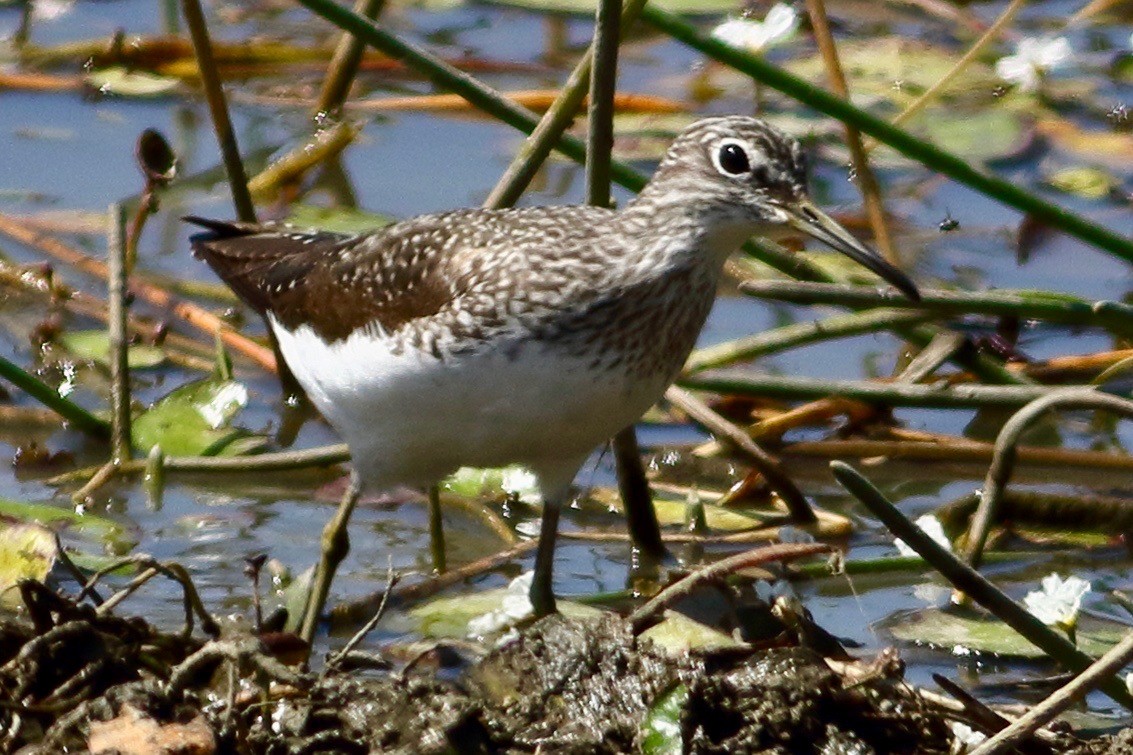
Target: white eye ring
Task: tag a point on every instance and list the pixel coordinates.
(732, 158)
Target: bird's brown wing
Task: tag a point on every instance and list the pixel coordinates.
(331, 282)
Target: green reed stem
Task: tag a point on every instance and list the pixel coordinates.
(914, 564)
(964, 396)
(279, 461)
(1022, 730)
(118, 333)
(49, 397)
(344, 65)
(928, 155)
(218, 109)
(799, 334)
(600, 120)
(796, 266)
(1032, 305)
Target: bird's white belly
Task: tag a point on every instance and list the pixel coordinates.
(410, 418)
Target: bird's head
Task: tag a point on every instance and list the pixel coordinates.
(744, 175)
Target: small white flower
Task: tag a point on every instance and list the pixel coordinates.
(1032, 59)
(966, 736)
(932, 527)
(1059, 600)
(777, 27)
(516, 605)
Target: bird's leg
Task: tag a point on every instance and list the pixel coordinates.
(634, 489)
(542, 587)
(436, 530)
(335, 545)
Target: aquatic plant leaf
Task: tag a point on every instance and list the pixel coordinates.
(678, 634)
(193, 420)
(474, 482)
(661, 730)
(27, 551)
(1122, 68)
(94, 346)
(54, 517)
(961, 634)
(982, 135)
(1091, 183)
(718, 519)
(898, 69)
(295, 595)
(450, 616)
(121, 81)
(336, 219)
(672, 511)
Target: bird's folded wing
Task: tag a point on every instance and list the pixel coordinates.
(330, 282)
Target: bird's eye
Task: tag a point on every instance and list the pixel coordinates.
(733, 159)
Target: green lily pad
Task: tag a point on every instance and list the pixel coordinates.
(899, 69)
(336, 219)
(661, 729)
(986, 134)
(27, 551)
(1091, 183)
(121, 81)
(952, 631)
(94, 346)
(194, 420)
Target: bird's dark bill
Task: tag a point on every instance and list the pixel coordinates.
(808, 219)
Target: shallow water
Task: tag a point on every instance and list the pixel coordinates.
(60, 151)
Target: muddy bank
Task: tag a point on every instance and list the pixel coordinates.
(75, 680)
